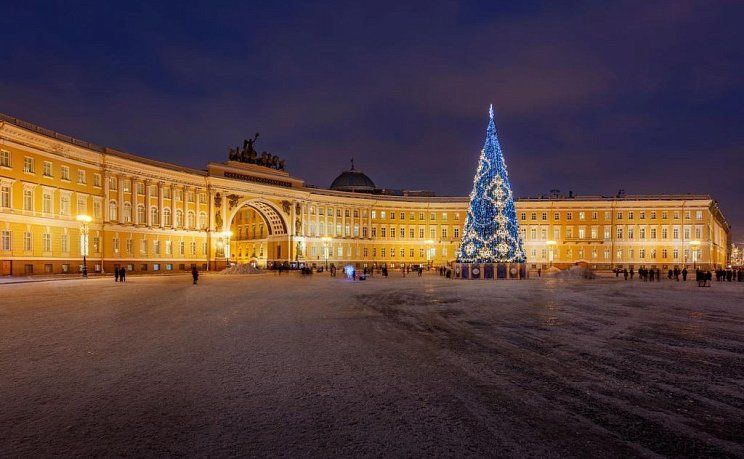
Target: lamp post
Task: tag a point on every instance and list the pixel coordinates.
(550, 245)
(325, 240)
(429, 243)
(694, 247)
(226, 235)
(84, 221)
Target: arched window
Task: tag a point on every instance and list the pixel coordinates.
(113, 211)
(141, 215)
(167, 217)
(202, 220)
(190, 219)
(154, 215)
(179, 219)
(127, 213)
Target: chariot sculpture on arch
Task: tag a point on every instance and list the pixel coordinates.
(249, 155)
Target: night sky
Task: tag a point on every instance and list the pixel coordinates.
(590, 96)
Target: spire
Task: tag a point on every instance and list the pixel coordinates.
(352, 164)
(490, 112)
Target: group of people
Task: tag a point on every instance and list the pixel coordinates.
(703, 277)
(730, 275)
(120, 274)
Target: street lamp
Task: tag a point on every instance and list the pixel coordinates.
(326, 240)
(84, 221)
(550, 245)
(694, 247)
(428, 243)
(226, 241)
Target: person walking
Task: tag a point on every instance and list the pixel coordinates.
(684, 275)
(122, 274)
(632, 272)
(194, 274)
(116, 274)
(625, 273)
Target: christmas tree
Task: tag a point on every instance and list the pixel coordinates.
(491, 230)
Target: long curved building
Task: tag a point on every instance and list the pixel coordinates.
(152, 216)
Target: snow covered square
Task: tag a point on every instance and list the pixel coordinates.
(415, 366)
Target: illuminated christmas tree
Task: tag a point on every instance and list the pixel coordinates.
(491, 232)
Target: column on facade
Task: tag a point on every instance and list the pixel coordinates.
(185, 207)
(148, 196)
(351, 221)
(120, 203)
(317, 219)
(173, 205)
(369, 222)
(335, 219)
(106, 195)
(161, 204)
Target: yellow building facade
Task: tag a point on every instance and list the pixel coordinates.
(151, 216)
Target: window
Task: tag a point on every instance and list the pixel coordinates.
(582, 216)
(81, 177)
(97, 180)
(664, 215)
(556, 216)
(115, 243)
(156, 247)
(113, 184)
(631, 233)
(127, 212)
(140, 188)
(47, 169)
(130, 245)
(619, 233)
(192, 247)
(642, 233)
(687, 215)
(5, 196)
(182, 248)
(153, 215)
(642, 215)
(190, 219)
(698, 232)
(619, 215)
(675, 253)
(675, 233)
(28, 200)
(595, 215)
(143, 246)
(28, 165)
(432, 216)
(630, 215)
(392, 215)
(6, 238)
(383, 214)
(523, 216)
(64, 204)
(127, 186)
(46, 202)
(166, 192)
(653, 215)
(65, 173)
(457, 233)
(373, 214)
(27, 243)
(202, 198)
(168, 247)
(444, 233)
(97, 209)
(582, 232)
(533, 216)
(687, 232)
(544, 215)
(179, 218)
(202, 220)
(113, 211)
(4, 158)
(533, 233)
(569, 216)
(167, 216)
(699, 215)
(140, 214)
(663, 253)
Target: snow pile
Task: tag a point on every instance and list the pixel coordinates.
(241, 268)
(575, 272)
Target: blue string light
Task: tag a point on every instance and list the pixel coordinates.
(491, 230)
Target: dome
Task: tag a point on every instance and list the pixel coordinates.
(353, 180)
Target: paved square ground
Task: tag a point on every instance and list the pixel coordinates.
(417, 366)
